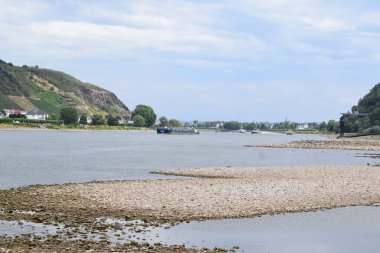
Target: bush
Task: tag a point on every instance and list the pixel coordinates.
(138, 121)
(112, 121)
(372, 130)
(232, 125)
(97, 120)
(29, 121)
(83, 120)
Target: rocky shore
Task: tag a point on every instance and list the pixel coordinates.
(346, 144)
(212, 193)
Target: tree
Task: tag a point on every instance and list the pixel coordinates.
(374, 117)
(250, 126)
(164, 121)
(147, 113)
(332, 125)
(69, 115)
(138, 121)
(323, 126)
(83, 119)
(98, 120)
(232, 125)
(175, 123)
(112, 121)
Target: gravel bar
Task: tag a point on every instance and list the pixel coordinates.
(346, 144)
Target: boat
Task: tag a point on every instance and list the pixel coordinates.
(242, 131)
(164, 130)
(256, 132)
(177, 130)
(289, 132)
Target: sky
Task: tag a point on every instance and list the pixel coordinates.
(245, 60)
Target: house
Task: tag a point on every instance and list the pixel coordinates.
(303, 126)
(36, 114)
(18, 112)
(126, 119)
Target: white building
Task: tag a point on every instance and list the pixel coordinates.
(304, 126)
(36, 114)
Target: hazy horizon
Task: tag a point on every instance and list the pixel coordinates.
(206, 60)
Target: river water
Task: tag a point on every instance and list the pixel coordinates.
(47, 157)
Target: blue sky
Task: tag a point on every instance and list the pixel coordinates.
(246, 60)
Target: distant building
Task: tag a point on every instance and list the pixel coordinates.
(13, 112)
(304, 126)
(36, 114)
(126, 119)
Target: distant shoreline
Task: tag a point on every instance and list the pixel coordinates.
(73, 129)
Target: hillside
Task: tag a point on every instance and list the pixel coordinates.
(27, 88)
(369, 104)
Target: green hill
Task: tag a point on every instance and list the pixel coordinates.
(48, 90)
(370, 105)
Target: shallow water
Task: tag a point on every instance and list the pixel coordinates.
(348, 229)
(45, 157)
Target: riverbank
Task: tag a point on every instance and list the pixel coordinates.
(365, 144)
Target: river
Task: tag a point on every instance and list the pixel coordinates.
(49, 157)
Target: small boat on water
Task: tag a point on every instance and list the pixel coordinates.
(177, 130)
(289, 132)
(164, 130)
(256, 132)
(242, 131)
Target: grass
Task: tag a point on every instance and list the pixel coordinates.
(48, 103)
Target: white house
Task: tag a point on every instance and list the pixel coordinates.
(303, 126)
(36, 114)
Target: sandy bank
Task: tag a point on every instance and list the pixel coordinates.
(345, 144)
(231, 193)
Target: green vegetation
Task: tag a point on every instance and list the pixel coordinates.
(98, 120)
(250, 126)
(372, 130)
(138, 121)
(69, 116)
(175, 123)
(147, 113)
(365, 116)
(50, 91)
(164, 121)
(112, 121)
(83, 120)
(28, 121)
(232, 125)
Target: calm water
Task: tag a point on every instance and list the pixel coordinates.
(44, 157)
(35, 157)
